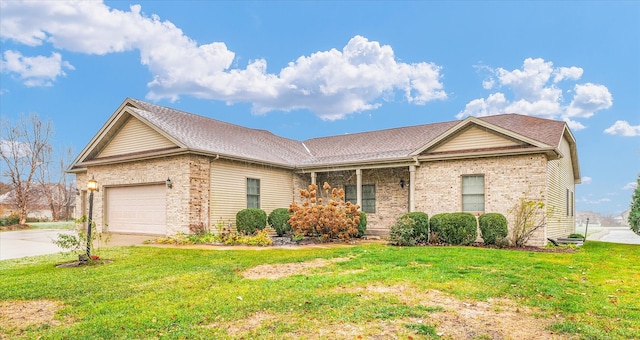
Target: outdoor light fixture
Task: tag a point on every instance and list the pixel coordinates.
(169, 184)
(92, 185)
(77, 192)
(402, 183)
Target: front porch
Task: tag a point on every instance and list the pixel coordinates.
(384, 194)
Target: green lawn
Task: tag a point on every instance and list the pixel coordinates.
(420, 292)
(52, 225)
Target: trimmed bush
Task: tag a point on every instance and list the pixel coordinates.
(279, 221)
(362, 226)
(576, 236)
(454, 228)
(492, 227)
(420, 226)
(402, 233)
(250, 220)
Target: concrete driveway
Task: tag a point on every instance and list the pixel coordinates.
(615, 235)
(21, 243)
(32, 242)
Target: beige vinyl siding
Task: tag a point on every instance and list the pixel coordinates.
(560, 222)
(135, 136)
(473, 138)
(229, 189)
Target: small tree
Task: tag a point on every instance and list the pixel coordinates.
(528, 216)
(335, 219)
(22, 148)
(54, 183)
(634, 213)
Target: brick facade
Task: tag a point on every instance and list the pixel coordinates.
(438, 187)
(187, 200)
(507, 179)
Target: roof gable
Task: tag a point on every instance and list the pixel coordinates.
(465, 133)
(473, 136)
(135, 137)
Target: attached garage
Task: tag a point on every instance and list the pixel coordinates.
(137, 209)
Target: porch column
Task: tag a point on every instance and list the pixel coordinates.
(359, 187)
(412, 188)
(313, 177)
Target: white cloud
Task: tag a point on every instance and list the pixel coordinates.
(598, 201)
(588, 99)
(630, 186)
(586, 180)
(34, 71)
(623, 128)
(330, 83)
(536, 90)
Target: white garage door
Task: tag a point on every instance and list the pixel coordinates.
(137, 209)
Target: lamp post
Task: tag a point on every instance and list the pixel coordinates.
(92, 186)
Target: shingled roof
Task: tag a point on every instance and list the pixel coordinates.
(209, 136)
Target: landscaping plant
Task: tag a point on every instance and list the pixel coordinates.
(251, 219)
(76, 244)
(403, 232)
(362, 225)
(279, 220)
(493, 226)
(527, 216)
(327, 218)
(420, 226)
(455, 228)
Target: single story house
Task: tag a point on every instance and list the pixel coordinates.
(162, 170)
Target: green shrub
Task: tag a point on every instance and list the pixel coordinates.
(362, 225)
(402, 233)
(7, 221)
(454, 228)
(250, 220)
(576, 236)
(492, 227)
(279, 221)
(420, 226)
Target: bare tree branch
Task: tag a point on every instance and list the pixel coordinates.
(22, 148)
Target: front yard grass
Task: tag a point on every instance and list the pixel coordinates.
(362, 291)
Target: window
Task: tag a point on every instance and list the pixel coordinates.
(368, 197)
(473, 193)
(573, 206)
(350, 194)
(253, 193)
(569, 203)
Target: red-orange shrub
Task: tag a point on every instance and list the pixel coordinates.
(335, 219)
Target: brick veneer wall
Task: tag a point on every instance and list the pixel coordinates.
(507, 179)
(438, 187)
(187, 200)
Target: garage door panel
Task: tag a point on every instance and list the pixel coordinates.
(137, 209)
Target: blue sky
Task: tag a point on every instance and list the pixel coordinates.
(309, 69)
